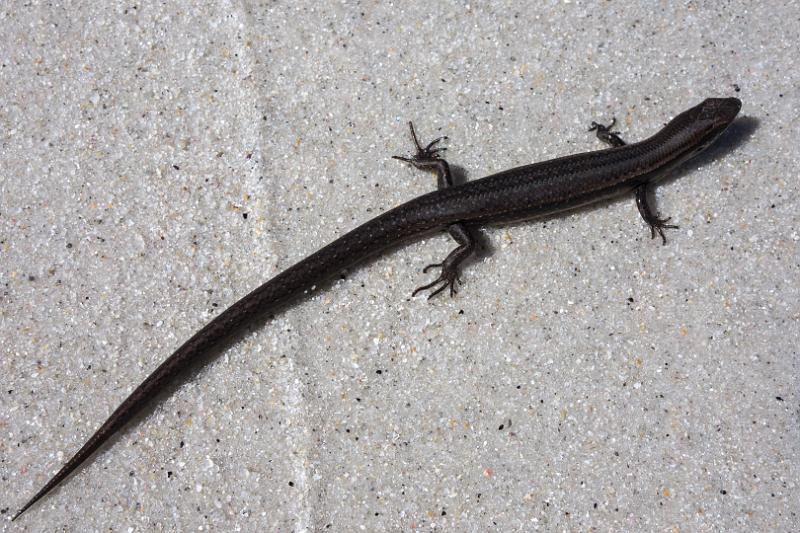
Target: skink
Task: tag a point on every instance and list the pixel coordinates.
(518, 194)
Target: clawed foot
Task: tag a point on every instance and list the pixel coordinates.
(659, 225)
(447, 278)
(605, 134)
(424, 154)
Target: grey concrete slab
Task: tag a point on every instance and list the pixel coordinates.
(159, 161)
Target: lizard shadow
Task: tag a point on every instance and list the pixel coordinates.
(738, 133)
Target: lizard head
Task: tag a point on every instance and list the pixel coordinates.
(710, 118)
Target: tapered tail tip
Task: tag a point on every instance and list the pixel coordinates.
(19, 513)
(27, 505)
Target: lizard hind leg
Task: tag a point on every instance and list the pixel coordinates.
(605, 133)
(449, 275)
(428, 159)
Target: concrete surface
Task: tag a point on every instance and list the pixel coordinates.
(159, 161)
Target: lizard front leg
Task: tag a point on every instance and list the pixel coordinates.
(643, 203)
